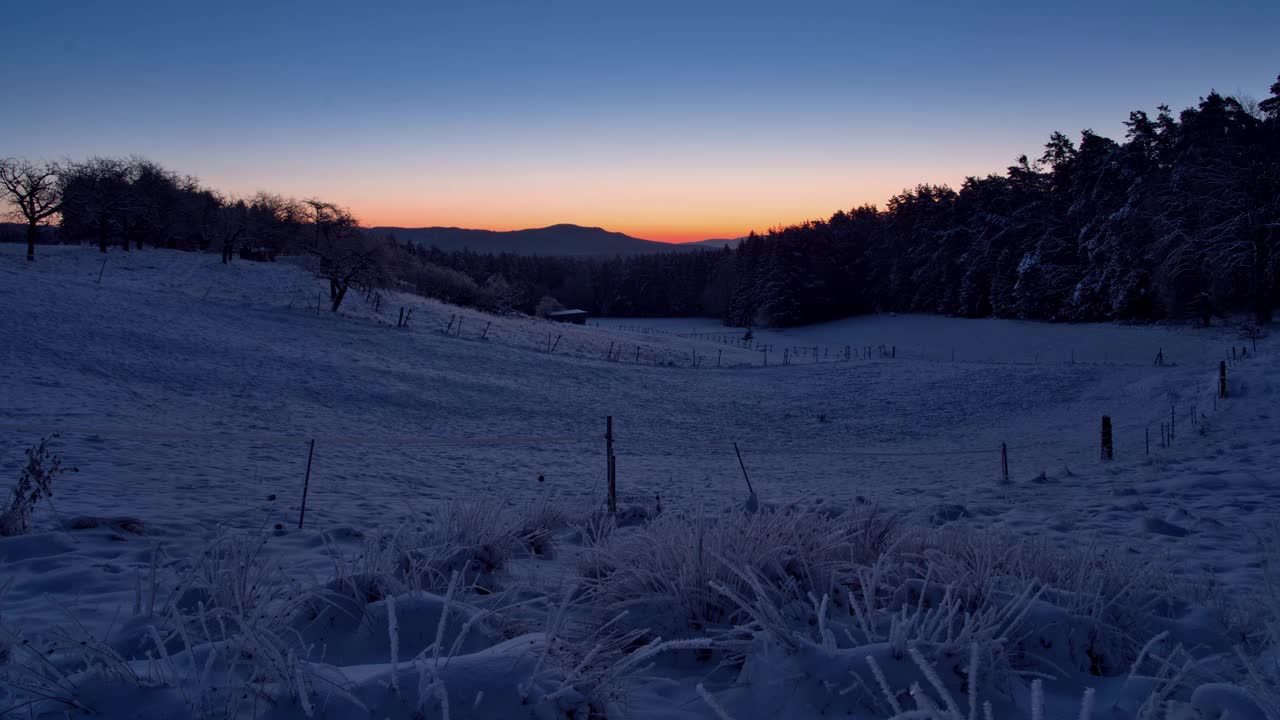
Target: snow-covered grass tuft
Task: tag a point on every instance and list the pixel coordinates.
(1259, 652)
(853, 600)
(783, 612)
(667, 574)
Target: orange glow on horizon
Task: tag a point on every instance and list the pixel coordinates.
(672, 204)
(658, 226)
(667, 233)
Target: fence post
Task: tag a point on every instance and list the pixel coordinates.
(613, 478)
(306, 483)
(743, 465)
(1222, 378)
(719, 353)
(1004, 461)
(1108, 451)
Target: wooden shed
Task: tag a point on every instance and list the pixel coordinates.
(577, 317)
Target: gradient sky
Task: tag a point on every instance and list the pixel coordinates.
(666, 120)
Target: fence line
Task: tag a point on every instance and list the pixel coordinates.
(847, 352)
(1191, 409)
(397, 439)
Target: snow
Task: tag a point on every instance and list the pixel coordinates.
(188, 392)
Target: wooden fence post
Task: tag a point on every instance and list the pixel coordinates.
(1222, 378)
(612, 468)
(1108, 451)
(306, 484)
(1004, 461)
(743, 465)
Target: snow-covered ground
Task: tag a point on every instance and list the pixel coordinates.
(188, 393)
(986, 340)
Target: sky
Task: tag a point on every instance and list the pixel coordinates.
(671, 121)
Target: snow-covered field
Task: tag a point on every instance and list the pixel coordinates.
(188, 393)
(987, 340)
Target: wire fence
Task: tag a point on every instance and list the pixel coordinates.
(778, 353)
(377, 471)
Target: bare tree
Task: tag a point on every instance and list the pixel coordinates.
(277, 223)
(34, 191)
(95, 194)
(345, 255)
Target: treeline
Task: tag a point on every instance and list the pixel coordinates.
(669, 284)
(1180, 220)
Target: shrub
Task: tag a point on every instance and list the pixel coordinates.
(547, 305)
(35, 483)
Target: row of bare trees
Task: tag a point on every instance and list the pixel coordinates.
(135, 203)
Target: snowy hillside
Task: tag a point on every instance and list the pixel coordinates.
(454, 561)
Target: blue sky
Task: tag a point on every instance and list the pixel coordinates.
(664, 120)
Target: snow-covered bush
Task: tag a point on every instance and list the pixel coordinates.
(34, 484)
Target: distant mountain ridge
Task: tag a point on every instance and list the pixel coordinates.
(562, 239)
